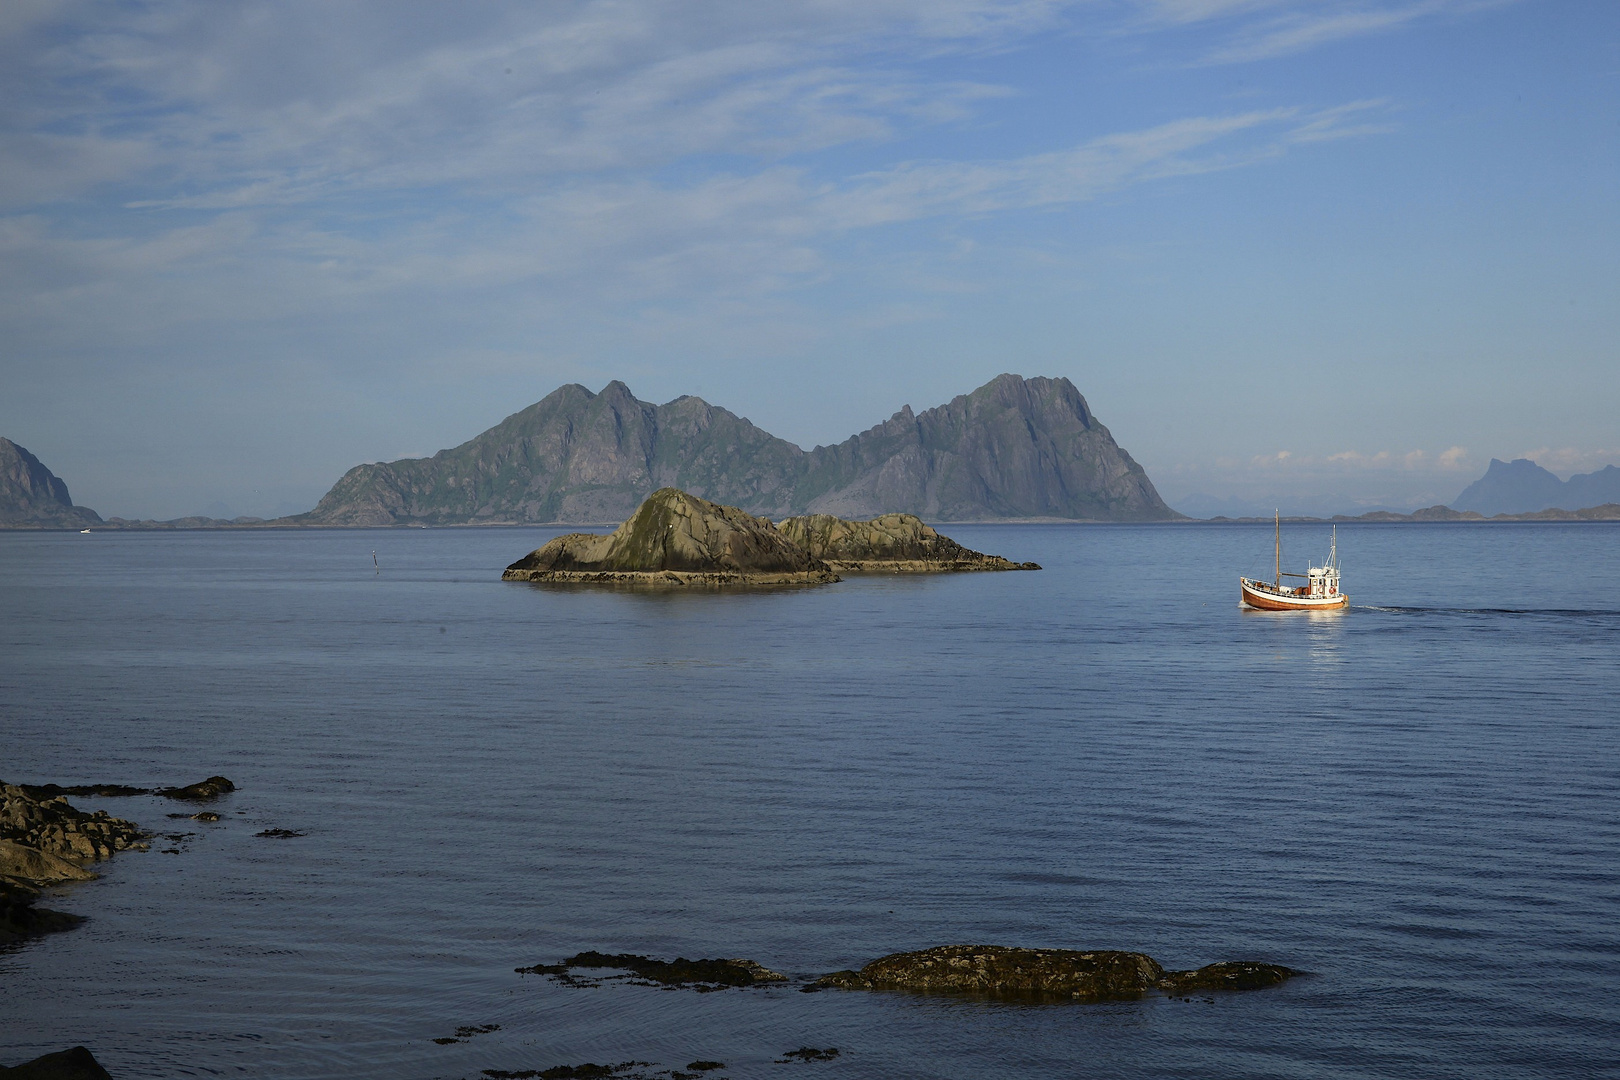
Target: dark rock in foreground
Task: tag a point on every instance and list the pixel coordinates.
(998, 971)
(75, 1064)
(676, 539)
(44, 840)
(588, 1071)
(677, 972)
(890, 544)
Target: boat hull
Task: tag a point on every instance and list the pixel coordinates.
(1267, 600)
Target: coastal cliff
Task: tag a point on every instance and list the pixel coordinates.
(33, 497)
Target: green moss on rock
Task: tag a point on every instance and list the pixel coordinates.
(889, 543)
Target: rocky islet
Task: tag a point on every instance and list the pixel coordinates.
(677, 539)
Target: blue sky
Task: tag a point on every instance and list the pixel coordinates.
(1323, 253)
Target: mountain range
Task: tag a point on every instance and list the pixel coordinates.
(1521, 486)
(1013, 448)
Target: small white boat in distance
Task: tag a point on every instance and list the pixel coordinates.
(1321, 588)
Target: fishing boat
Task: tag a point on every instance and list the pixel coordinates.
(1320, 591)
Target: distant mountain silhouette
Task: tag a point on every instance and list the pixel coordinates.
(31, 496)
(1523, 487)
(1014, 448)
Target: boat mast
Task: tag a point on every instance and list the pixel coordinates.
(1279, 548)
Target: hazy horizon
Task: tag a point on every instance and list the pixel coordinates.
(1331, 255)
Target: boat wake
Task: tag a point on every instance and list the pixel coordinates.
(1556, 613)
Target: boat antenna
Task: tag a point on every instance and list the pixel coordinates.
(1278, 512)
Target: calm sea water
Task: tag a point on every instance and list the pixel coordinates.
(1415, 800)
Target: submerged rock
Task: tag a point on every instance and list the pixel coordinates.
(890, 543)
(1230, 975)
(105, 791)
(19, 918)
(677, 972)
(75, 1064)
(999, 971)
(202, 790)
(676, 539)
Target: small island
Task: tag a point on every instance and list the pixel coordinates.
(677, 539)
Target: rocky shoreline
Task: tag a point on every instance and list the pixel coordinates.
(45, 841)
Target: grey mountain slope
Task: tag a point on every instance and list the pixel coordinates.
(31, 496)
(1014, 448)
(573, 456)
(1523, 487)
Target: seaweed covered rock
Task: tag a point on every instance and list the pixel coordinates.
(890, 543)
(676, 539)
(998, 971)
(1002, 972)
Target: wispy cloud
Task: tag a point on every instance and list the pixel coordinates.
(1256, 30)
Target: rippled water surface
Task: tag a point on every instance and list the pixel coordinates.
(1414, 800)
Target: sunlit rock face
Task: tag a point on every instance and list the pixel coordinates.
(888, 543)
(678, 539)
